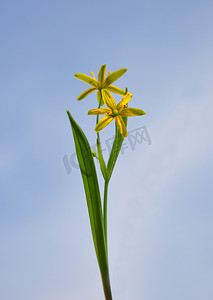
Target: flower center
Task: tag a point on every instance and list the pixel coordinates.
(114, 112)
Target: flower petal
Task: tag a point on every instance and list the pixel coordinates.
(102, 74)
(99, 111)
(108, 99)
(86, 93)
(114, 76)
(116, 90)
(121, 126)
(131, 112)
(124, 101)
(103, 123)
(100, 98)
(86, 79)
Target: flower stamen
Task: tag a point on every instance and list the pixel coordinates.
(93, 75)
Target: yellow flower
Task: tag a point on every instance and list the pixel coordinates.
(116, 112)
(101, 83)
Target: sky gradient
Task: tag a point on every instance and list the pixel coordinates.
(160, 196)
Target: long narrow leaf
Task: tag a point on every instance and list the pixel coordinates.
(92, 192)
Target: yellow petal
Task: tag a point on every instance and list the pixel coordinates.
(99, 111)
(116, 90)
(131, 112)
(121, 126)
(86, 79)
(114, 76)
(101, 75)
(124, 101)
(108, 99)
(86, 93)
(100, 98)
(103, 123)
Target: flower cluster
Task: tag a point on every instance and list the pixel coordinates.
(113, 111)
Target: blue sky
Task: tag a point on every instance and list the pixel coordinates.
(160, 205)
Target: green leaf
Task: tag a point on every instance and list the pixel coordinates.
(86, 79)
(114, 76)
(91, 187)
(116, 147)
(101, 161)
(86, 93)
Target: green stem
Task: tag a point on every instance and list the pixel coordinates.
(105, 189)
(107, 287)
(105, 277)
(105, 211)
(97, 117)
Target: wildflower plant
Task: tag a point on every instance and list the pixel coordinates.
(119, 112)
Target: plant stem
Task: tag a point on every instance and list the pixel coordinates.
(97, 117)
(105, 276)
(105, 210)
(107, 288)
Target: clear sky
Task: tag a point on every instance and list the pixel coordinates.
(160, 198)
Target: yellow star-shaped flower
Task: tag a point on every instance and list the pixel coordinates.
(101, 83)
(116, 112)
